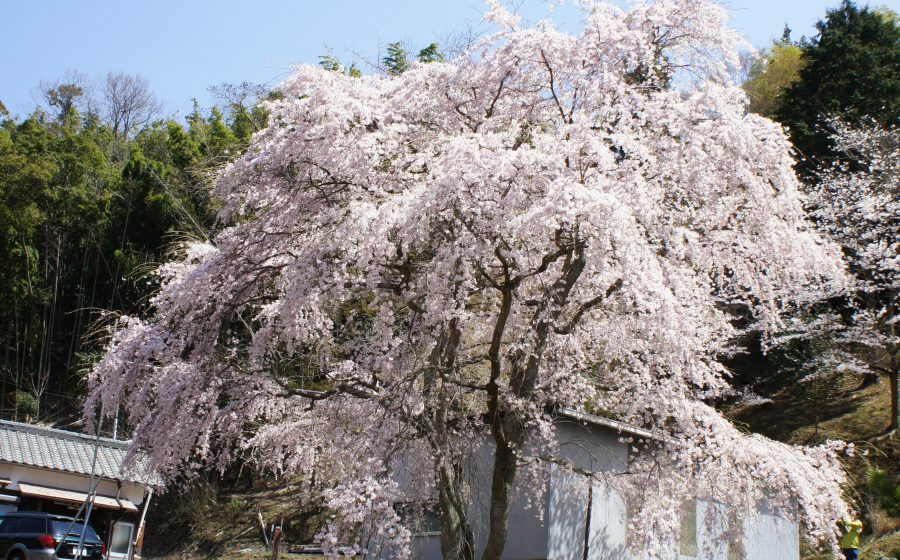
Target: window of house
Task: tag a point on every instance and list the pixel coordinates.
(687, 542)
(120, 543)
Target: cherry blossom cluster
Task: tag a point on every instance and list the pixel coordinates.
(856, 201)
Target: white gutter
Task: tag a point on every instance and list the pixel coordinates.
(610, 423)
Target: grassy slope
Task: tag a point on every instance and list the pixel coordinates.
(854, 416)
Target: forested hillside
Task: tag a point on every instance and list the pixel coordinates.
(96, 187)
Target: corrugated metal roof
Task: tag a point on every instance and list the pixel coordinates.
(49, 448)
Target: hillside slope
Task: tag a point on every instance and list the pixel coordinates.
(859, 417)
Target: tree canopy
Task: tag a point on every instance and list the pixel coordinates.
(857, 203)
(771, 73)
(422, 262)
(91, 200)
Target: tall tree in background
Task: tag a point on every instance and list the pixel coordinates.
(770, 74)
(452, 251)
(396, 61)
(128, 102)
(242, 106)
(84, 214)
(431, 53)
(851, 71)
(73, 91)
(56, 188)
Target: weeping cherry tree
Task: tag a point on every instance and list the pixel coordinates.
(418, 264)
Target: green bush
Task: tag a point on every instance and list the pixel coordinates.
(885, 490)
(26, 404)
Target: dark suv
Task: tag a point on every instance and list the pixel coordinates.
(35, 535)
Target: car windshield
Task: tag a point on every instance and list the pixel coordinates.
(61, 526)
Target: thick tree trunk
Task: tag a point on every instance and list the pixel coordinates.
(507, 426)
(502, 480)
(457, 538)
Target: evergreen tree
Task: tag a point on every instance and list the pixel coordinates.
(430, 54)
(84, 215)
(396, 62)
(852, 70)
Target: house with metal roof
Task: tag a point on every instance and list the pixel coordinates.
(61, 472)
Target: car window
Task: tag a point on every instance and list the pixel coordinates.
(9, 524)
(32, 525)
(60, 526)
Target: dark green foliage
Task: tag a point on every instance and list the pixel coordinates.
(84, 215)
(244, 114)
(26, 404)
(885, 489)
(430, 54)
(396, 62)
(852, 70)
(64, 97)
(331, 64)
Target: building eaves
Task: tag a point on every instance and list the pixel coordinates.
(620, 427)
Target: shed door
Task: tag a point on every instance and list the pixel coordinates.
(121, 539)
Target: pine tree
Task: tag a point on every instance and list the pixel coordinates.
(852, 71)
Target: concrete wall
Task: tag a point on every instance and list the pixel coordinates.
(527, 527)
(769, 536)
(554, 529)
(766, 536)
(608, 527)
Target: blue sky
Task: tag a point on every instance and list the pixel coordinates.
(183, 47)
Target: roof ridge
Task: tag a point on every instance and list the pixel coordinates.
(65, 434)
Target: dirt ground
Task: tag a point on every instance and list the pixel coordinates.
(236, 553)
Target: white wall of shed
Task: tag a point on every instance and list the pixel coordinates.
(769, 537)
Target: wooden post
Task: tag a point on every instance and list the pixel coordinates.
(262, 527)
(276, 542)
(587, 517)
(138, 543)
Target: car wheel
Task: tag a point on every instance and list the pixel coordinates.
(15, 555)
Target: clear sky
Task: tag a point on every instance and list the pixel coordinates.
(182, 47)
